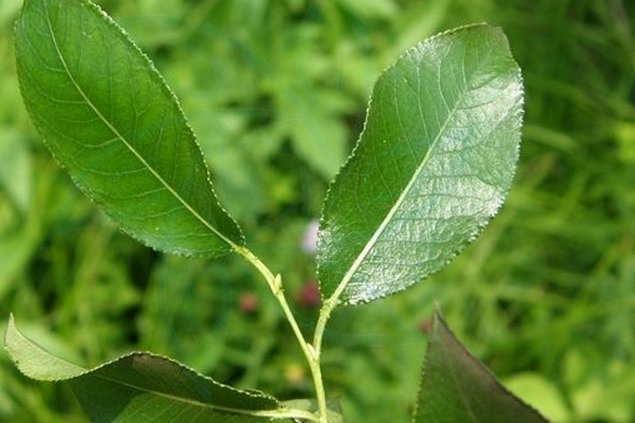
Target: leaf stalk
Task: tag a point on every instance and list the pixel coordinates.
(311, 353)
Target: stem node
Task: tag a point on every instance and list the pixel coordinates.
(311, 353)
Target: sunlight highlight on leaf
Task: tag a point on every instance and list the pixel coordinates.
(433, 164)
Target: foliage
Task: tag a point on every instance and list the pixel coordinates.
(546, 291)
(143, 387)
(106, 115)
(441, 134)
(457, 388)
(444, 147)
(440, 144)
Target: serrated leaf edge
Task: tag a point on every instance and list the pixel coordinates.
(334, 298)
(438, 320)
(279, 412)
(154, 73)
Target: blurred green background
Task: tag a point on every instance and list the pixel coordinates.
(276, 91)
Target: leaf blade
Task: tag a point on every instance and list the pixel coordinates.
(333, 408)
(141, 387)
(457, 388)
(108, 117)
(428, 144)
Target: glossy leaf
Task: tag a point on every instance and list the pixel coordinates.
(108, 117)
(433, 164)
(143, 387)
(457, 388)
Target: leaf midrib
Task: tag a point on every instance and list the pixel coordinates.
(371, 242)
(127, 144)
(278, 412)
(467, 406)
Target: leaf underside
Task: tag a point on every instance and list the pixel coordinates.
(142, 388)
(108, 117)
(433, 164)
(457, 388)
(333, 410)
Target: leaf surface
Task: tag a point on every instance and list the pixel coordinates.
(457, 388)
(144, 388)
(108, 117)
(433, 164)
(333, 410)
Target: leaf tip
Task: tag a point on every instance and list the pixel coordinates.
(11, 333)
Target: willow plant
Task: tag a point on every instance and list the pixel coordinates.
(432, 166)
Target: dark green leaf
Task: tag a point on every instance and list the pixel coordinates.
(433, 165)
(143, 387)
(109, 118)
(457, 388)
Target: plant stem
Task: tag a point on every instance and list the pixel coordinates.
(292, 413)
(325, 314)
(320, 394)
(311, 354)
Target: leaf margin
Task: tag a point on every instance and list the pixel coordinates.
(231, 244)
(439, 325)
(12, 347)
(334, 299)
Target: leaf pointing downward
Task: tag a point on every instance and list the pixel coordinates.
(432, 166)
(145, 388)
(108, 117)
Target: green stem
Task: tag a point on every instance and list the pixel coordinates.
(292, 413)
(325, 315)
(310, 353)
(320, 394)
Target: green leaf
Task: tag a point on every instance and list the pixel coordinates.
(457, 388)
(108, 117)
(143, 387)
(333, 410)
(433, 164)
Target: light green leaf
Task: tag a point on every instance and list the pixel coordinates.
(432, 166)
(333, 410)
(457, 388)
(109, 118)
(143, 387)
